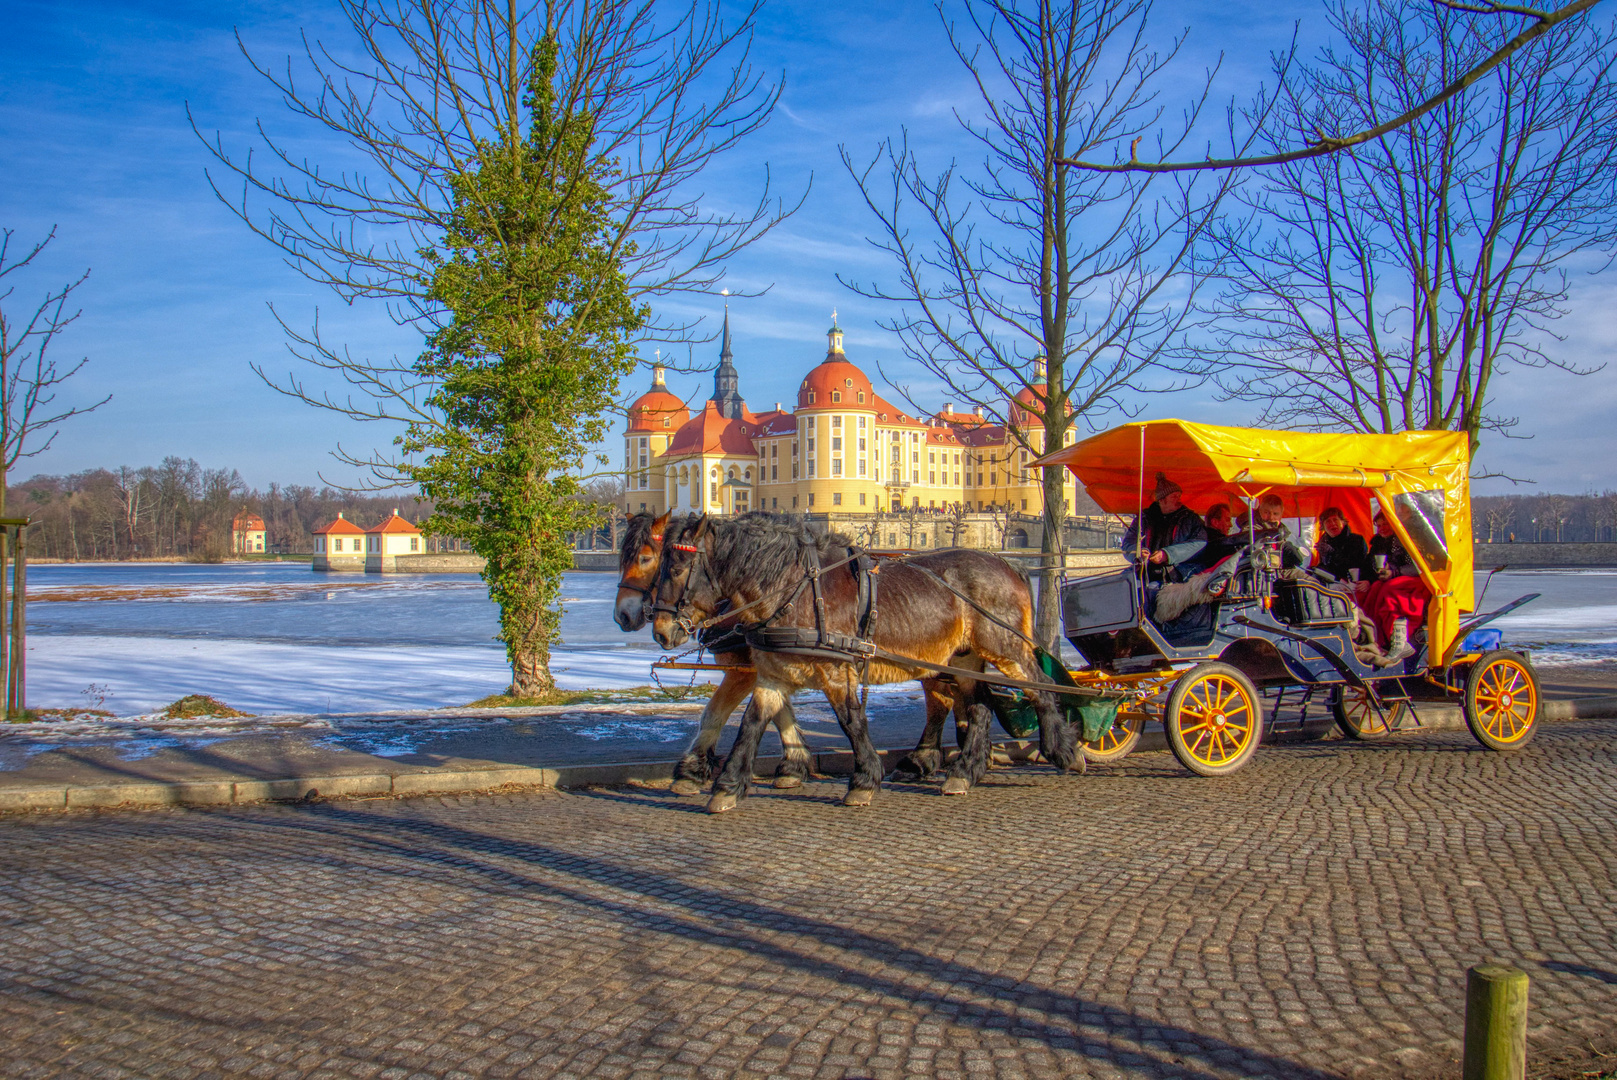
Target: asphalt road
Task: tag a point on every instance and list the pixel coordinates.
(1311, 916)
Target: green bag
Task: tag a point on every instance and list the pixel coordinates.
(1097, 717)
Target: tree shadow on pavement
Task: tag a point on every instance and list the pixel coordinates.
(458, 857)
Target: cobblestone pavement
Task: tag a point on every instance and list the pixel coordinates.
(1310, 917)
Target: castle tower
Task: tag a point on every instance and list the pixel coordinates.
(726, 381)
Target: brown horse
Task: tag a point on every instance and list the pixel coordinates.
(971, 609)
(639, 564)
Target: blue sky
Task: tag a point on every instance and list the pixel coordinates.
(92, 119)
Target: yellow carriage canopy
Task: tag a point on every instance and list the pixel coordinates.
(1421, 479)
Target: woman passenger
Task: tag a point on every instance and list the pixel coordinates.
(1396, 597)
(1340, 551)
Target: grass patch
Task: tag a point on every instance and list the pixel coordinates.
(627, 696)
(30, 715)
(193, 705)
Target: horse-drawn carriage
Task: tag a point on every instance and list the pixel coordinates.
(800, 610)
(1267, 636)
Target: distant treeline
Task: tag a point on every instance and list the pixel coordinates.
(180, 509)
(1501, 518)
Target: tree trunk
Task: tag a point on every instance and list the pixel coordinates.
(530, 673)
(1052, 559)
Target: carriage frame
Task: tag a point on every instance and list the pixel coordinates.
(1206, 675)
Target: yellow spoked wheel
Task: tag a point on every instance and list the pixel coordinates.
(1357, 716)
(1501, 700)
(1214, 719)
(1122, 737)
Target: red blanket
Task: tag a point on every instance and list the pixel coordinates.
(1393, 599)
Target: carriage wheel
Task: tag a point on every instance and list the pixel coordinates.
(1118, 740)
(1502, 701)
(1214, 719)
(1358, 716)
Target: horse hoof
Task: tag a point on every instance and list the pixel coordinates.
(720, 802)
(956, 785)
(686, 787)
(786, 783)
(860, 797)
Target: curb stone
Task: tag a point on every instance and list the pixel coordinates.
(1434, 716)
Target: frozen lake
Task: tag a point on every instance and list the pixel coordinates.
(280, 638)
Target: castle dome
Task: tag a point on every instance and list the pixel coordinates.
(836, 376)
(657, 409)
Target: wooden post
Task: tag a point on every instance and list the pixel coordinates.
(19, 633)
(1495, 1023)
(5, 625)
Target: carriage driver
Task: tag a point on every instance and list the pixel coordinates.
(1166, 535)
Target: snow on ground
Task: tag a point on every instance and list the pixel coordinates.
(142, 674)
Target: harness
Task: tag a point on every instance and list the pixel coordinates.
(821, 642)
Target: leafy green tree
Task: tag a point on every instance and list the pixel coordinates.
(528, 363)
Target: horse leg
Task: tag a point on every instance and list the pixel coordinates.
(927, 757)
(867, 770)
(796, 763)
(970, 765)
(698, 765)
(731, 785)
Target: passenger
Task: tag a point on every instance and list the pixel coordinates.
(1340, 551)
(1166, 535)
(1396, 598)
(1271, 531)
(1219, 547)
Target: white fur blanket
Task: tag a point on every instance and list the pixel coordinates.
(1177, 597)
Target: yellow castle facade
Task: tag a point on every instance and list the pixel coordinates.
(842, 448)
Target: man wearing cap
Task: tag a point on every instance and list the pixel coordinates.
(1165, 535)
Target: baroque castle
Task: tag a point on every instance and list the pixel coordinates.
(844, 449)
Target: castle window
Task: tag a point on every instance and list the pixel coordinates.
(836, 466)
(836, 421)
(415, 543)
(811, 498)
(957, 478)
(932, 478)
(794, 470)
(794, 502)
(774, 472)
(847, 382)
(811, 467)
(836, 442)
(836, 396)
(861, 466)
(861, 446)
(836, 498)
(774, 449)
(1024, 504)
(861, 498)
(811, 397)
(861, 397)
(666, 422)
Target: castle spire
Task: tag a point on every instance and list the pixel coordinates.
(726, 382)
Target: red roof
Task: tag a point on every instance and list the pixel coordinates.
(341, 527)
(835, 373)
(709, 432)
(655, 405)
(395, 524)
(245, 522)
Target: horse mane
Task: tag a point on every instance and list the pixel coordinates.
(637, 534)
(763, 547)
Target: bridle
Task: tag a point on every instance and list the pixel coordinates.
(683, 608)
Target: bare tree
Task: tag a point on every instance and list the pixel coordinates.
(1386, 288)
(1539, 21)
(1553, 511)
(1022, 280)
(1499, 516)
(30, 378)
(416, 90)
